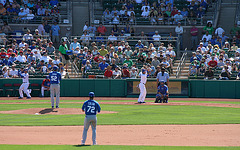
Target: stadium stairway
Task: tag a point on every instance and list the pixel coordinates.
(184, 71)
(72, 73)
(227, 14)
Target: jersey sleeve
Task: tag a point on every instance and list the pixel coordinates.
(166, 89)
(98, 107)
(167, 76)
(84, 106)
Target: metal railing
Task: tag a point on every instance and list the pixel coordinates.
(181, 63)
(132, 40)
(147, 21)
(75, 68)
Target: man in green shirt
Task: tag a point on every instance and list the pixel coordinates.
(62, 49)
(103, 51)
(128, 61)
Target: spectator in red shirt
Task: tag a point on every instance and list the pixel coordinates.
(10, 52)
(96, 59)
(212, 63)
(101, 29)
(125, 73)
(45, 86)
(108, 73)
(3, 53)
(174, 11)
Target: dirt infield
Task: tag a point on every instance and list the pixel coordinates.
(160, 135)
(51, 111)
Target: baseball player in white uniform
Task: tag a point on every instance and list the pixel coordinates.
(143, 91)
(25, 84)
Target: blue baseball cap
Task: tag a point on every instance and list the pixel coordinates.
(91, 94)
(55, 68)
(143, 70)
(162, 81)
(25, 70)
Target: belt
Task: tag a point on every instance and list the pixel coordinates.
(25, 82)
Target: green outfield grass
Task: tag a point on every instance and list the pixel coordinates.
(33, 101)
(109, 147)
(127, 115)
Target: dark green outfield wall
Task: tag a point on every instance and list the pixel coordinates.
(120, 88)
(78, 87)
(214, 89)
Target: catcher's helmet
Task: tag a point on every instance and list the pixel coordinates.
(91, 94)
(162, 81)
(55, 68)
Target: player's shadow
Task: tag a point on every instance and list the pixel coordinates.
(47, 110)
(81, 145)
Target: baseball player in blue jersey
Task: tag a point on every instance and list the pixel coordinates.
(55, 78)
(91, 108)
(143, 91)
(162, 94)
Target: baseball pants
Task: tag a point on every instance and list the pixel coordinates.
(90, 120)
(42, 90)
(24, 88)
(55, 90)
(143, 92)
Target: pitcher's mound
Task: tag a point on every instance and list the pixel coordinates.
(52, 111)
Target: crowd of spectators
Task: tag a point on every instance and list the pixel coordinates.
(29, 10)
(119, 60)
(34, 53)
(156, 12)
(217, 56)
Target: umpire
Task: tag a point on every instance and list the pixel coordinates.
(163, 75)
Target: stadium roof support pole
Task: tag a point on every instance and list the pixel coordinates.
(91, 10)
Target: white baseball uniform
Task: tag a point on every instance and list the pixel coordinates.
(24, 86)
(143, 91)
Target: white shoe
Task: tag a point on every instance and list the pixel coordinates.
(30, 91)
(82, 143)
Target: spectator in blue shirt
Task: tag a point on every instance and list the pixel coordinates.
(55, 31)
(184, 13)
(81, 55)
(103, 65)
(53, 2)
(200, 12)
(11, 59)
(31, 58)
(85, 60)
(74, 44)
(129, 5)
(204, 5)
(139, 44)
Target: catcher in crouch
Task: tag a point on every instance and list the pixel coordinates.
(162, 93)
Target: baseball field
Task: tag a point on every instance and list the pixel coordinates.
(182, 124)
